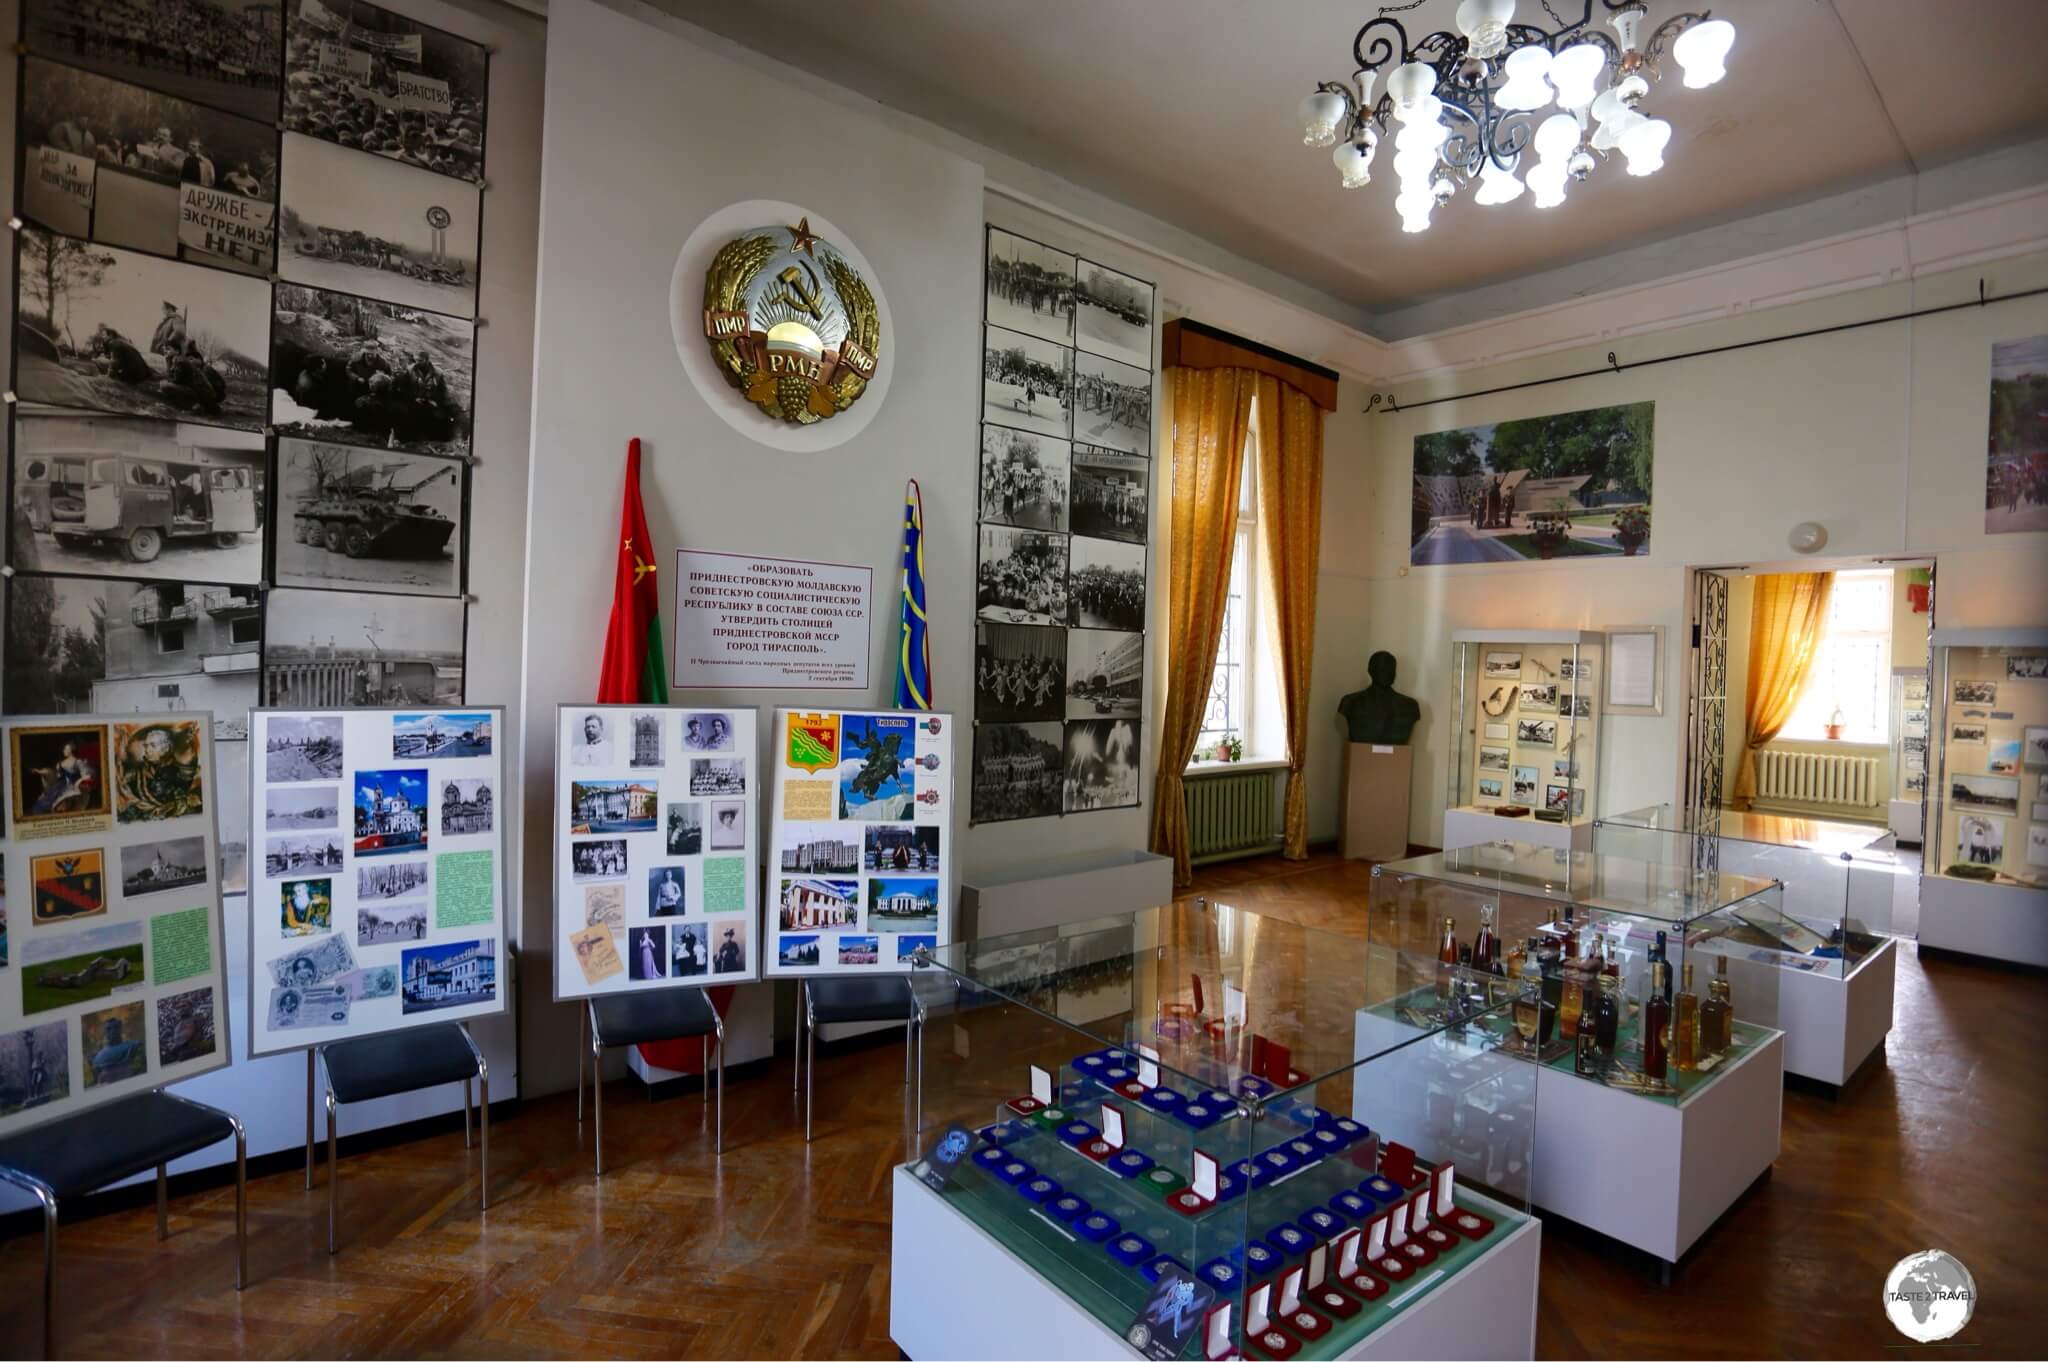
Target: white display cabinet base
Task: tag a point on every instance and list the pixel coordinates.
(1832, 1023)
(956, 1292)
(1476, 827)
(1902, 816)
(1996, 921)
(1650, 1174)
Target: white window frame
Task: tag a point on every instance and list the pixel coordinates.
(1809, 718)
(1259, 727)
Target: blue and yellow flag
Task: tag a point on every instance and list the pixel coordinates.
(914, 655)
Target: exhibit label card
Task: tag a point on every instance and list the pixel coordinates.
(376, 871)
(744, 620)
(860, 828)
(112, 974)
(657, 848)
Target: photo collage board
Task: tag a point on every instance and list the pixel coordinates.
(377, 888)
(657, 848)
(1063, 534)
(860, 862)
(112, 968)
(1994, 761)
(1535, 726)
(244, 362)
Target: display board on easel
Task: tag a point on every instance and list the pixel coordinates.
(112, 975)
(861, 866)
(657, 850)
(377, 872)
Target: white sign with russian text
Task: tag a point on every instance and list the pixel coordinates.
(748, 620)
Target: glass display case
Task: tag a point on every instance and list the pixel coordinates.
(1309, 1128)
(1910, 718)
(1637, 947)
(1988, 814)
(1526, 744)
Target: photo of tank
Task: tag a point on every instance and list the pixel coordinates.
(372, 517)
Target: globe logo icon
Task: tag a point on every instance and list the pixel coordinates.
(1929, 1296)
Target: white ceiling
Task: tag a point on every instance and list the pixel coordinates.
(1184, 109)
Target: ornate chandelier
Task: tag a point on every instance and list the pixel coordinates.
(1467, 104)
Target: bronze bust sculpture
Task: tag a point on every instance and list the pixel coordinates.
(1379, 713)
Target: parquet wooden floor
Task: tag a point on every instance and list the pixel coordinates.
(782, 1250)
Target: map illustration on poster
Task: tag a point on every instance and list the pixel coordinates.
(860, 870)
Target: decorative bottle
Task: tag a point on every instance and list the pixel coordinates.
(1485, 950)
(1607, 1016)
(1717, 1013)
(1656, 1021)
(1571, 1003)
(1685, 1027)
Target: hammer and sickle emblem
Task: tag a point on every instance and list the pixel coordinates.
(801, 290)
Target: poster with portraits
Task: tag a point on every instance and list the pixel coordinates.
(657, 848)
(1064, 533)
(111, 962)
(860, 863)
(376, 871)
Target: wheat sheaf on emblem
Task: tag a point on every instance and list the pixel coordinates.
(725, 284)
(865, 329)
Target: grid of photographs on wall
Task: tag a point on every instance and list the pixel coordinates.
(859, 871)
(376, 899)
(656, 851)
(1063, 533)
(188, 432)
(1537, 725)
(1994, 764)
(111, 964)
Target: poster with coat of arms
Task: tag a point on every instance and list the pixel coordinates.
(860, 861)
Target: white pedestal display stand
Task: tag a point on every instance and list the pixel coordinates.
(1832, 1023)
(955, 1292)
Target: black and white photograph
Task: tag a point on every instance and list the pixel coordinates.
(1980, 841)
(1112, 405)
(466, 807)
(222, 52)
(599, 859)
(1493, 759)
(399, 922)
(1018, 672)
(1113, 314)
(728, 824)
(304, 853)
(1502, 667)
(2026, 667)
(1026, 382)
(116, 163)
(1030, 287)
(707, 732)
(1101, 765)
(685, 829)
(153, 867)
(1111, 494)
(316, 806)
(368, 519)
(368, 79)
(590, 739)
(2035, 747)
(689, 950)
(1105, 674)
(1976, 693)
(718, 776)
(359, 371)
(103, 329)
(1106, 583)
(302, 747)
(99, 645)
(168, 499)
(1539, 697)
(343, 650)
(1018, 771)
(648, 729)
(2000, 794)
(1973, 734)
(390, 879)
(1021, 577)
(358, 224)
(1540, 732)
(1023, 478)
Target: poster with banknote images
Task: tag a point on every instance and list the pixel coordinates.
(112, 972)
(376, 871)
(657, 847)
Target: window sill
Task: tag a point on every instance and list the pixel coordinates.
(1217, 768)
(1786, 740)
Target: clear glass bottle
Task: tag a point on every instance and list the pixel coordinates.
(1447, 958)
(1717, 1014)
(1685, 1027)
(1607, 1016)
(1657, 1022)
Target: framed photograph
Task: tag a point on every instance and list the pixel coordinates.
(1021, 577)
(1502, 667)
(361, 224)
(1971, 733)
(1526, 781)
(358, 371)
(1105, 674)
(1113, 314)
(1106, 584)
(1112, 404)
(2036, 746)
(1490, 791)
(369, 519)
(1020, 672)
(1018, 771)
(1974, 693)
(1026, 383)
(103, 329)
(1980, 841)
(107, 161)
(166, 498)
(1536, 732)
(1540, 698)
(150, 45)
(1493, 759)
(1101, 765)
(1111, 494)
(1030, 287)
(1635, 670)
(1024, 478)
(2002, 758)
(367, 78)
(2026, 666)
(1564, 800)
(2037, 845)
(1996, 793)
(1497, 732)
(2037, 812)
(338, 649)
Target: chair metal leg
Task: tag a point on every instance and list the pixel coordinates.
(49, 1271)
(465, 1113)
(310, 1057)
(597, 1099)
(919, 1115)
(718, 1132)
(241, 1206)
(163, 1205)
(333, 1175)
(908, 1027)
(483, 1167)
(582, 1057)
(796, 1061)
(810, 1071)
(704, 1066)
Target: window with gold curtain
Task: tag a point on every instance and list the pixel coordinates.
(1788, 618)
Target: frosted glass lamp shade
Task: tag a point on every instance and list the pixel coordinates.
(1496, 185)
(1643, 144)
(1702, 51)
(1410, 83)
(1485, 26)
(1573, 72)
(1321, 113)
(1525, 89)
(1556, 137)
(1354, 163)
(1546, 182)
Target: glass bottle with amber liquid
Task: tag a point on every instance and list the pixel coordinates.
(1571, 1000)
(1607, 1016)
(1447, 959)
(1485, 948)
(1717, 1014)
(1685, 1027)
(1657, 1022)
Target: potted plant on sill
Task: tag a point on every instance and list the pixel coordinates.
(1229, 747)
(1632, 528)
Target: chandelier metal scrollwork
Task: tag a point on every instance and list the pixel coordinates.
(1464, 108)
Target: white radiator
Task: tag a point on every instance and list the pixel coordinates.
(1817, 778)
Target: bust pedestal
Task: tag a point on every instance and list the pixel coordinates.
(1374, 822)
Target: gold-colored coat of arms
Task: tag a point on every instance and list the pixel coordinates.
(791, 323)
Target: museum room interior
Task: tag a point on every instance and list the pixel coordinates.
(1294, 681)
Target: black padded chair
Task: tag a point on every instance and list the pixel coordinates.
(640, 1018)
(368, 1067)
(832, 999)
(99, 1147)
